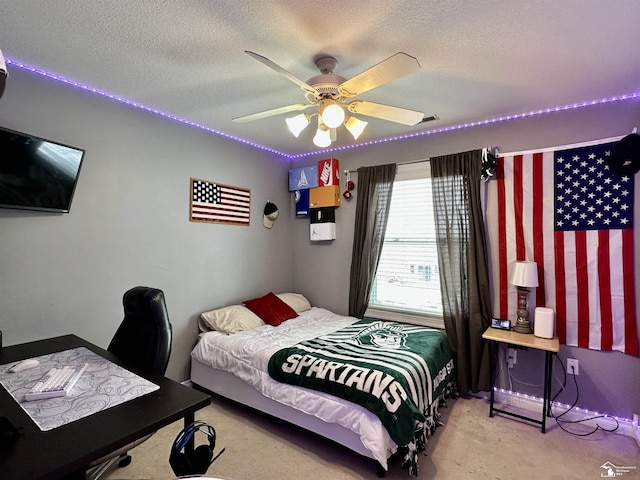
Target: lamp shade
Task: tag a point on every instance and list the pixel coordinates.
(322, 137)
(297, 124)
(524, 274)
(355, 126)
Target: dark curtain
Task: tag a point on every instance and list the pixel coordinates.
(462, 257)
(375, 185)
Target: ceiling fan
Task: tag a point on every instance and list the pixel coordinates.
(332, 96)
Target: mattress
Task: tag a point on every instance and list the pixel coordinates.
(246, 354)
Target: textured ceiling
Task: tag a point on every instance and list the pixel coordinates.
(479, 59)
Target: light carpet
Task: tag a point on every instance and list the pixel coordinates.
(470, 446)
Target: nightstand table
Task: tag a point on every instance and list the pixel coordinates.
(527, 340)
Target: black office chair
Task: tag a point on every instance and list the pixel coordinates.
(143, 344)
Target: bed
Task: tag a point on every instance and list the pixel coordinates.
(237, 348)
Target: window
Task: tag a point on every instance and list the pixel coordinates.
(407, 283)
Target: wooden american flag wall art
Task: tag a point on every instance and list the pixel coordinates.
(213, 202)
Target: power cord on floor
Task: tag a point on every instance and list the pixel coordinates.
(560, 421)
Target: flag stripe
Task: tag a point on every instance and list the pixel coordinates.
(582, 285)
(628, 262)
(517, 205)
(231, 208)
(604, 290)
(502, 244)
(561, 289)
(538, 224)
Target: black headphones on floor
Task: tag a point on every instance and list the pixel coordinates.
(200, 459)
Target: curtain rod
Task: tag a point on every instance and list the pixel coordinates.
(409, 162)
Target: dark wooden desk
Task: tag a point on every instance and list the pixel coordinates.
(67, 450)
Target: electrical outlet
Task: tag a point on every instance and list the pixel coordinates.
(573, 367)
(512, 355)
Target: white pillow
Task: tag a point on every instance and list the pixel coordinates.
(296, 301)
(231, 319)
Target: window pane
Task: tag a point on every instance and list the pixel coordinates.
(407, 278)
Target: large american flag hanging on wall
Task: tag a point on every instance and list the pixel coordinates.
(217, 203)
(564, 209)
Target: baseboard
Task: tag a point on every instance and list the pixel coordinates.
(533, 405)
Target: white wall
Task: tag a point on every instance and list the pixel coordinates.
(129, 222)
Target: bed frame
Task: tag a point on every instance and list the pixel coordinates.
(229, 386)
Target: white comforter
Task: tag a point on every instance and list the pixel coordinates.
(246, 355)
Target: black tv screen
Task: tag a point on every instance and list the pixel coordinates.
(37, 174)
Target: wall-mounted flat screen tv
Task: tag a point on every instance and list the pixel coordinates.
(37, 174)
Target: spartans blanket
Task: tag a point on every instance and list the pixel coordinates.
(395, 370)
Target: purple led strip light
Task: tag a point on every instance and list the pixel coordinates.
(131, 103)
(490, 121)
(566, 406)
(573, 106)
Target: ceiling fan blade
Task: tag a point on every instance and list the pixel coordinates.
(392, 68)
(272, 112)
(386, 112)
(303, 85)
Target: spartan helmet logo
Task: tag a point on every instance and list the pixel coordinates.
(382, 335)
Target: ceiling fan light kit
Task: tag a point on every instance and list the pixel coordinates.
(329, 93)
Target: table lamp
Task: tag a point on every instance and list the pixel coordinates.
(524, 275)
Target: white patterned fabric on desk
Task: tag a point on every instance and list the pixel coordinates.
(102, 385)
